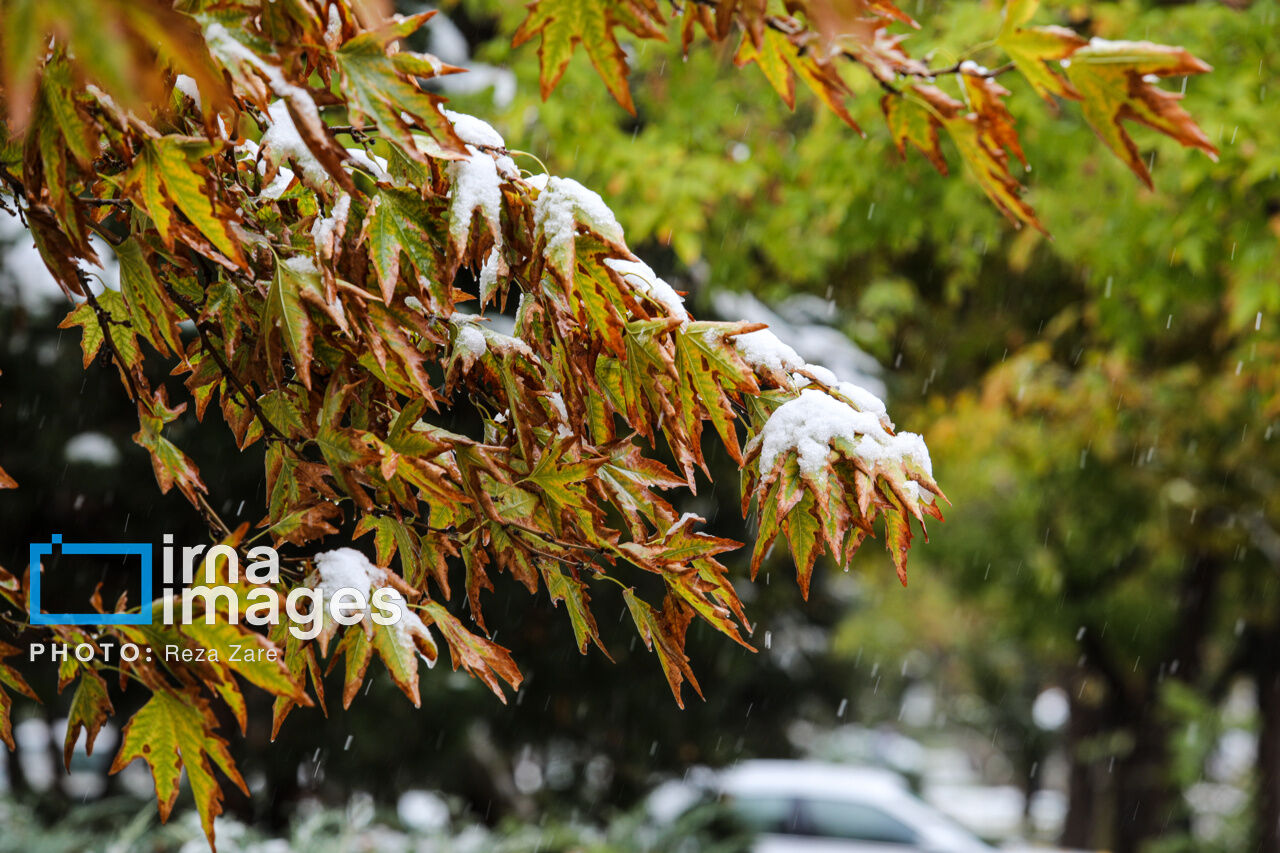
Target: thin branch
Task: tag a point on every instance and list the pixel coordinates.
(957, 68)
(122, 203)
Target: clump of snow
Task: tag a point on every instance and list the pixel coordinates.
(809, 423)
(333, 29)
(762, 350)
(562, 203)
(557, 403)
(476, 186)
(187, 86)
(797, 322)
(344, 568)
(499, 342)
(92, 448)
(470, 345)
(375, 164)
(641, 276)
(282, 141)
(302, 265)
(477, 182)
(325, 230)
(477, 132)
(489, 273)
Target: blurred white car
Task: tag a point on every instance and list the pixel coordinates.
(812, 807)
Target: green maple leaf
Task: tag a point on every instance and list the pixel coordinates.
(400, 221)
(90, 709)
(172, 732)
(1114, 81)
(270, 675)
(573, 593)
(1032, 48)
(377, 87)
(711, 368)
(149, 306)
(564, 24)
(169, 173)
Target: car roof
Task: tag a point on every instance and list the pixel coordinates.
(814, 779)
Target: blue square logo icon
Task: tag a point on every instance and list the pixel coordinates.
(142, 550)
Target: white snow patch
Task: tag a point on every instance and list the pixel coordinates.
(282, 140)
(797, 324)
(187, 86)
(470, 345)
(762, 350)
(302, 265)
(500, 342)
(344, 568)
(562, 203)
(376, 165)
(324, 229)
(474, 131)
(809, 423)
(333, 30)
(641, 276)
(92, 448)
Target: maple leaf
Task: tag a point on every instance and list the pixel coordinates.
(150, 309)
(9, 677)
(169, 172)
(399, 221)
(238, 648)
(294, 281)
(663, 633)
(1033, 48)
(573, 593)
(482, 658)
(710, 371)
(145, 34)
(995, 124)
(916, 114)
(172, 466)
(780, 59)
(564, 24)
(558, 477)
(909, 120)
(172, 732)
(1114, 79)
(90, 709)
(377, 87)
